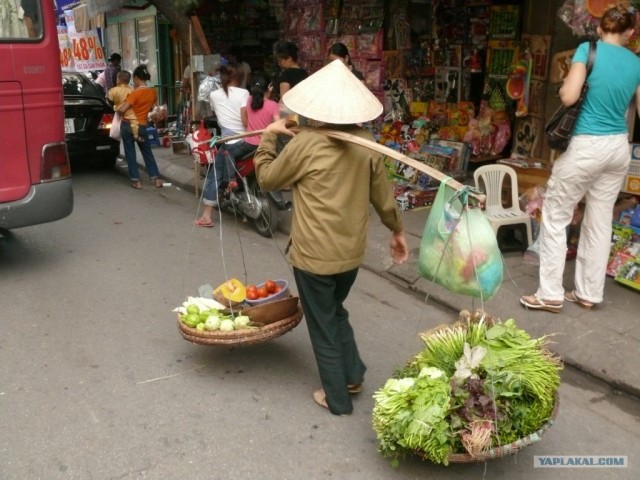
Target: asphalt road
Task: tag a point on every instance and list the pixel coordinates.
(97, 383)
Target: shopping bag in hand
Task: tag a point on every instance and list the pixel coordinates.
(114, 131)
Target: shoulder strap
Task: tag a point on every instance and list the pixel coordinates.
(593, 46)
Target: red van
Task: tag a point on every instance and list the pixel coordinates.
(35, 176)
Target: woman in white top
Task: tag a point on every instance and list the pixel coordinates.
(229, 103)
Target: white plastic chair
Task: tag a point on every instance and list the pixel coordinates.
(493, 177)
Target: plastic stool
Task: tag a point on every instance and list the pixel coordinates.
(152, 136)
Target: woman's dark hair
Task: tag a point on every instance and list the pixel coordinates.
(259, 85)
(617, 19)
(142, 73)
(230, 72)
(340, 50)
(286, 50)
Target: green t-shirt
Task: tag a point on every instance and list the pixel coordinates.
(612, 83)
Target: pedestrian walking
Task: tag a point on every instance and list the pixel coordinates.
(333, 184)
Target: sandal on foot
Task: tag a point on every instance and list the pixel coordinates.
(535, 303)
(355, 388)
(573, 298)
(137, 185)
(321, 399)
(203, 223)
(158, 182)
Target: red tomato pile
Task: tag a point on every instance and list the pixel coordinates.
(267, 289)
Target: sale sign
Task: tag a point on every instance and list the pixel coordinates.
(66, 54)
(87, 52)
(80, 51)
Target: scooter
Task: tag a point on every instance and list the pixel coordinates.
(243, 196)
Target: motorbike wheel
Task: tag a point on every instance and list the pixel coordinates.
(267, 223)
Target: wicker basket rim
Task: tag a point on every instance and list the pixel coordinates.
(241, 337)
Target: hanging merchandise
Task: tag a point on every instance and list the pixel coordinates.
(459, 250)
(519, 82)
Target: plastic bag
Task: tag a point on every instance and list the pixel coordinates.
(114, 131)
(158, 113)
(459, 250)
(208, 85)
(202, 149)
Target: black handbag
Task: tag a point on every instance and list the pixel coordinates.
(560, 126)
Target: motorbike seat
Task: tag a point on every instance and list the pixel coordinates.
(247, 156)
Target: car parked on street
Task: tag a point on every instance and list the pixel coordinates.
(87, 120)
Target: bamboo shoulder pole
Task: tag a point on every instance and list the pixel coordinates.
(432, 172)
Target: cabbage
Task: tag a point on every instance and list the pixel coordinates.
(242, 321)
(227, 325)
(212, 323)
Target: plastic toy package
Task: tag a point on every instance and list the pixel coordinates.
(310, 20)
(312, 46)
(370, 45)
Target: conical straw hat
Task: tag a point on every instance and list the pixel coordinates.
(333, 95)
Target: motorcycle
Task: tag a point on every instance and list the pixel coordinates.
(243, 195)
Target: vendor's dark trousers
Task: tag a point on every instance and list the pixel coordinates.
(332, 337)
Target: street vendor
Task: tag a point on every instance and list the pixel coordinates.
(333, 184)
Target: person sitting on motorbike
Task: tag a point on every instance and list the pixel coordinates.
(229, 104)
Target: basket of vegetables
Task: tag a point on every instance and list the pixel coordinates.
(207, 322)
(479, 389)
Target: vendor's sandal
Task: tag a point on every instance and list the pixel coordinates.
(158, 182)
(573, 298)
(203, 223)
(321, 399)
(535, 303)
(355, 388)
(137, 185)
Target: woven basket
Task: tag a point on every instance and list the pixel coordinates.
(241, 337)
(511, 448)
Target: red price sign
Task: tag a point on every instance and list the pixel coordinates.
(66, 59)
(66, 55)
(87, 52)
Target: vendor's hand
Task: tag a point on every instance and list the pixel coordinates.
(280, 127)
(399, 248)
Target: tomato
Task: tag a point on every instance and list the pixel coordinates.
(252, 294)
(278, 289)
(251, 287)
(270, 285)
(262, 292)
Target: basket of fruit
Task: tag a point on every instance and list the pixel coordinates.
(480, 389)
(228, 318)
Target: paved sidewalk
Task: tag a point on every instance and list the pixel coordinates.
(604, 341)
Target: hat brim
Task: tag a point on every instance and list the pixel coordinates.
(334, 95)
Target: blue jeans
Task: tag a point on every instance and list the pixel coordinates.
(129, 145)
(224, 166)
